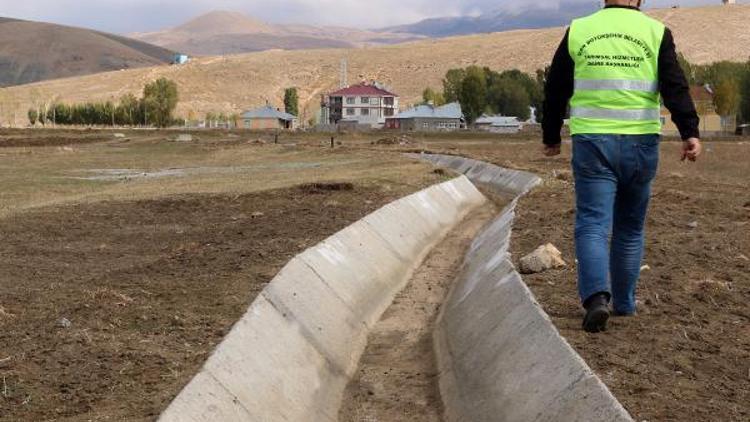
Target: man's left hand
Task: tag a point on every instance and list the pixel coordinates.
(552, 150)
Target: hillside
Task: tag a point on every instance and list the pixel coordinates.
(221, 32)
(231, 84)
(35, 51)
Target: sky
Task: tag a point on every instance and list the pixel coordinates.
(125, 16)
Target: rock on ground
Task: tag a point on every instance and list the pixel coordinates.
(544, 258)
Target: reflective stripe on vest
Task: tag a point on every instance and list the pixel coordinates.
(611, 114)
(616, 57)
(616, 84)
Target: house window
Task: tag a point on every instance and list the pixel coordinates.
(350, 100)
(388, 112)
(365, 100)
(388, 101)
(663, 120)
(425, 125)
(350, 112)
(365, 112)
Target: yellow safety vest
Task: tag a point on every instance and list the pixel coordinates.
(616, 56)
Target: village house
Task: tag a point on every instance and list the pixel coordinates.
(498, 124)
(428, 118)
(180, 58)
(365, 104)
(267, 117)
(711, 122)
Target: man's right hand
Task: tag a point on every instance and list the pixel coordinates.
(691, 149)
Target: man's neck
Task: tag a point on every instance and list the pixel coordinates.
(620, 4)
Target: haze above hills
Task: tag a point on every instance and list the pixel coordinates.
(222, 32)
(234, 83)
(34, 51)
(531, 16)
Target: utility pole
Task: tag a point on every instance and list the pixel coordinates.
(53, 104)
(344, 76)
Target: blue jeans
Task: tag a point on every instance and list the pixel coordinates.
(613, 175)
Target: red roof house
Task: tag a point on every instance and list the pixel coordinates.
(366, 104)
(373, 90)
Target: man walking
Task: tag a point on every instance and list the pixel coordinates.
(610, 69)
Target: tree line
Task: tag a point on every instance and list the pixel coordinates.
(729, 81)
(482, 90)
(155, 108)
(220, 119)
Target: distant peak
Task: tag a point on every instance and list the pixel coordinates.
(224, 21)
(219, 14)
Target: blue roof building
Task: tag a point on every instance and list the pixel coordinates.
(498, 124)
(180, 58)
(428, 118)
(268, 117)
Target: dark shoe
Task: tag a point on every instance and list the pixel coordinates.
(597, 313)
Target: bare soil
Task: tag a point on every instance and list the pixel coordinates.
(150, 286)
(108, 309)
(42, 138)
(397, 379)
(686, 356)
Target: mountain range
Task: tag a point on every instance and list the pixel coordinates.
(532, 16)
(223, 32)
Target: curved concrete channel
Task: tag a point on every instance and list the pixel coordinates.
(397, 377)
(500, 357)
(497, 355)
(290, 357)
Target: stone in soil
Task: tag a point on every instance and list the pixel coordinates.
(544, 258)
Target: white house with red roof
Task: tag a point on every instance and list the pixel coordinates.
(364, 104)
